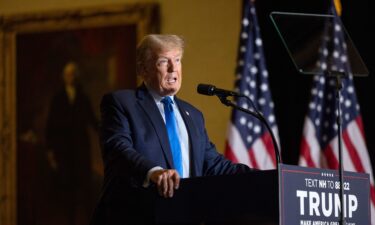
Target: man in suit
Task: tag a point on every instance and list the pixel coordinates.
(139, 147)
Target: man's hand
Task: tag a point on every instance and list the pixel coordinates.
(166, 181)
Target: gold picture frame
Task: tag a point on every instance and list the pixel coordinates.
(145, 17)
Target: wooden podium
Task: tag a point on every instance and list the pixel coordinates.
(257, 198)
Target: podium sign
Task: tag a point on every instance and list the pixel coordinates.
(310, 196)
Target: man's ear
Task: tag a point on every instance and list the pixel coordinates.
(144, 75)
(147, 70)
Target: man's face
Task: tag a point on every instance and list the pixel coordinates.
(164, 74)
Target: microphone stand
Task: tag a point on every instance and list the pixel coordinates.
(338, 76)
(259, 116)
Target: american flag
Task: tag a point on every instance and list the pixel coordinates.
(248, 140)
(319, 146)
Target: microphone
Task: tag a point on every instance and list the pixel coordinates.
(208, 89)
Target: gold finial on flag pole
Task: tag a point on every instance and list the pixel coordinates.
(338, 7)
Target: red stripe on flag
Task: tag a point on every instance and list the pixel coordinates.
(332, 162)
(252, 159)
(229, 153)
(352, 152)
(359, 122)
(305, 151)
(267, 141)
(372, 193)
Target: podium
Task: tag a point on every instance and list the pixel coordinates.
(292, 195)
(228, 199)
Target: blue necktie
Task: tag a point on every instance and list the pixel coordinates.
(170, 122)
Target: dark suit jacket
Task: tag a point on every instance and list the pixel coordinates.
(134, 140)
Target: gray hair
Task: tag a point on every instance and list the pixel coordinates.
(152, 44)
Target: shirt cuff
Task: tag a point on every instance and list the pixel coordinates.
(146, 182)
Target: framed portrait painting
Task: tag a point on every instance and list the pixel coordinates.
(54, 69)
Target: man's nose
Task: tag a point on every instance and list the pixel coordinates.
(171, 66)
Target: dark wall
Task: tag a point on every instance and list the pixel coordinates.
(291, 90)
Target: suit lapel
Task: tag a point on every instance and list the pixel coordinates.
(148, 105)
